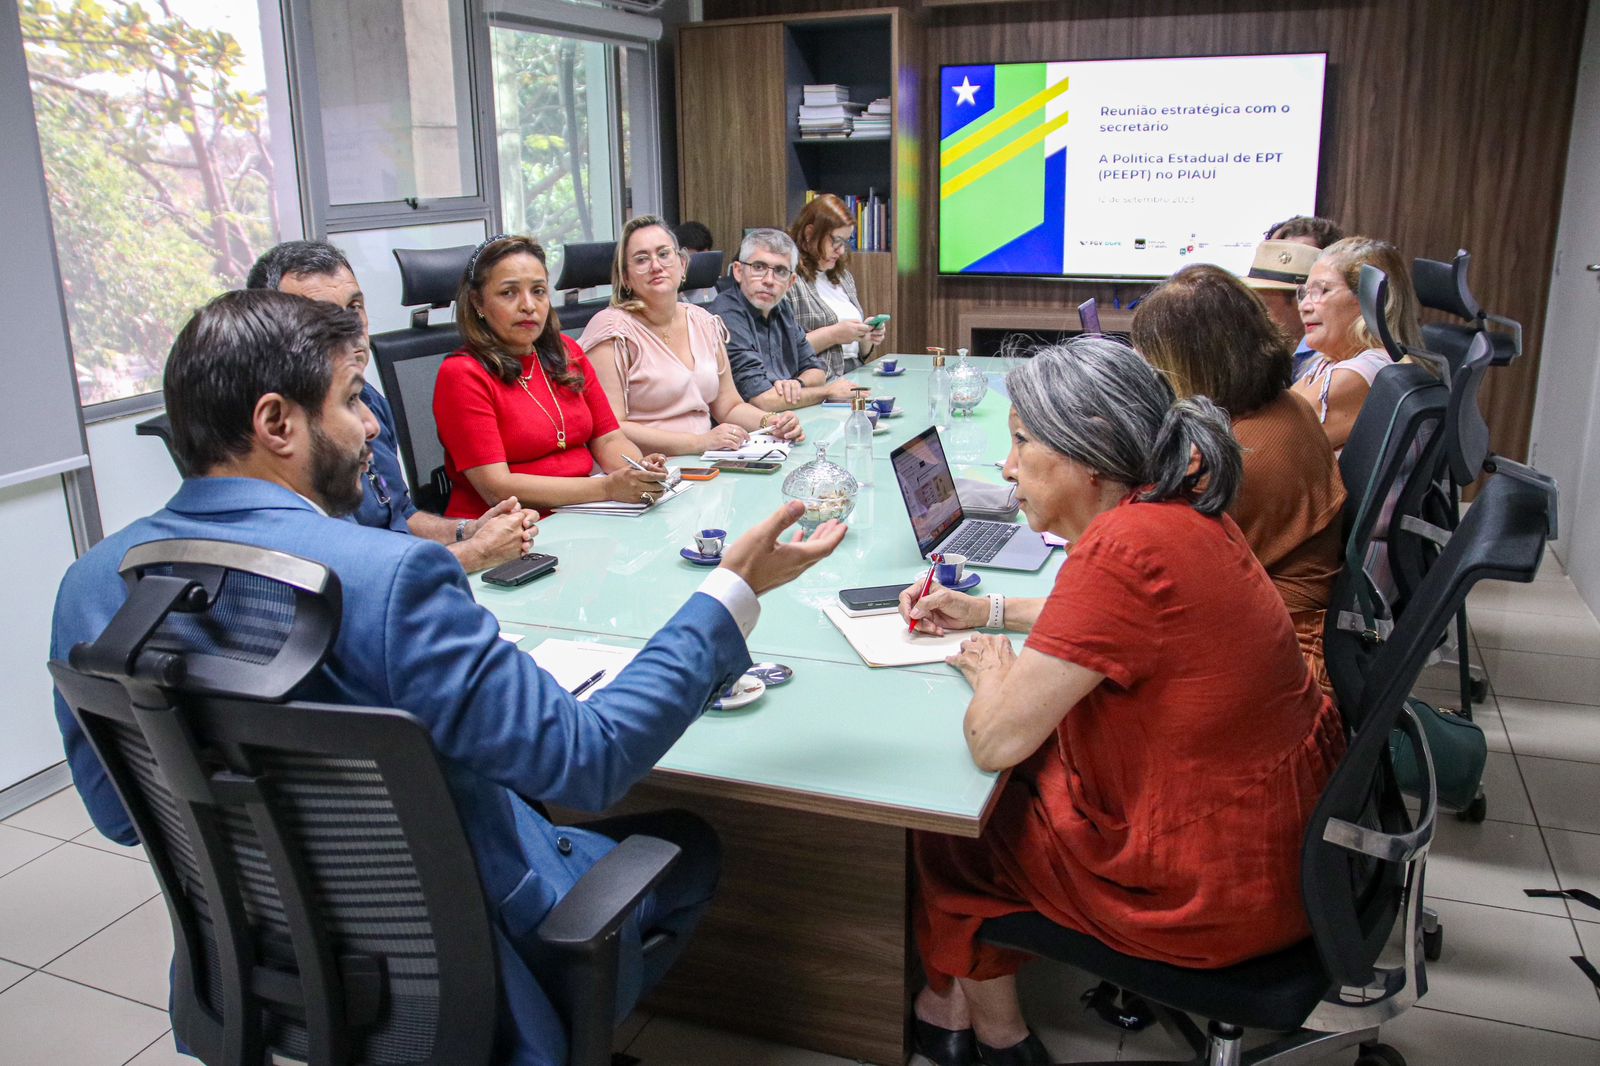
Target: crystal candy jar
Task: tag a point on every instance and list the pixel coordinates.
(827, 489)
(968, 385)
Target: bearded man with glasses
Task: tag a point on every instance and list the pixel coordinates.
(774, 366)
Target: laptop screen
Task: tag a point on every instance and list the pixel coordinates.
(928, 487)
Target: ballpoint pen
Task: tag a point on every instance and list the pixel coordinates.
(631, 461)
(934, 560)
(588, 682)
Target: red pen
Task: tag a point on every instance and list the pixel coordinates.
(927, 584)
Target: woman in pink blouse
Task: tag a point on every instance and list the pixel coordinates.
(664, 364)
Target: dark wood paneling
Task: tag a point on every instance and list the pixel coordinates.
(806, 941)
(721, 102)
(1446, 128)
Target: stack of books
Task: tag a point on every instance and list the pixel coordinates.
(874, 124)
(871, 213)
(826, 113)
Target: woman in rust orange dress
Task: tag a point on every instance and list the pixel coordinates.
(1166, 741)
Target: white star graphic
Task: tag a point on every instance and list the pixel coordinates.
(966, 92)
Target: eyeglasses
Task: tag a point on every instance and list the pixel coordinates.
(1315, 293)
(641, 262)
(840, 243)
(761, 270)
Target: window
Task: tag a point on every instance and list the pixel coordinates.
(559, 137)
(394, 90)
(154, 128)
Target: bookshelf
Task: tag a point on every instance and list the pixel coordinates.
(743, 161)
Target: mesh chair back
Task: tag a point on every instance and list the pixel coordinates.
(1394, 447)
(408, 363)
(1363, 852)
(585, 265)
(324, 901)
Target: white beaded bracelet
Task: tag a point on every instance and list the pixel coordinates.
(997, 611)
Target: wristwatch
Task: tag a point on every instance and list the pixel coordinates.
(461, 531)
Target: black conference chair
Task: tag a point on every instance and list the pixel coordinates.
(700, 280)
(408, 365)
(1427, 515)
(325, 904)
(160, 426)
(585, 265)
(1363, 858)
(1443, 287)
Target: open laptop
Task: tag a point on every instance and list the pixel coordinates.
(942, 526)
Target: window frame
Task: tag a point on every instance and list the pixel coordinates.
(323, 217)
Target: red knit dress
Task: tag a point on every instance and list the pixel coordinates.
(1164, 815)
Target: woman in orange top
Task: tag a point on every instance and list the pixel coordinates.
(1213, 337)
(1166, 742)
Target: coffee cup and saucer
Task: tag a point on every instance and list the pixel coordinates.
(888, 368)
(951, 572)
(707, 550)
(885, 407)
(745, 690)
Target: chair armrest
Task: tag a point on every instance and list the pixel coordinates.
(604, 897)
(1396, 847)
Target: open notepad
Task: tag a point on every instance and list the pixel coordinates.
(572, 662)
(758, 446)
(884, 639)
(629, 509)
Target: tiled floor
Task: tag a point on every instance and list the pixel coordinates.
(84, 940)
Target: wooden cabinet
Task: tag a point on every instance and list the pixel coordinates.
(742, 161)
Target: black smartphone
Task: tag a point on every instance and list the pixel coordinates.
(876, 598)
(520, 571)
(748, 466)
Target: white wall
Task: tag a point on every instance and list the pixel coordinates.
(35, 551)
(133, 475)
(1566, 422)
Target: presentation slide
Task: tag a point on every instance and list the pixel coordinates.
(1123, 168)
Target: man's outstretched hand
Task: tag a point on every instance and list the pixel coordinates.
(765, 560)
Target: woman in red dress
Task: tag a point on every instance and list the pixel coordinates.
(517, 406)
(1165, 739)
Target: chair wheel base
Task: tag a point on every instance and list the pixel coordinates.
(1132, 1014)
(1379, 1055)
(1476, 811)
(1433, 943)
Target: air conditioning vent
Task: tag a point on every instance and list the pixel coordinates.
(642, 7)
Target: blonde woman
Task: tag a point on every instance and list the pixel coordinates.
(1348, 357)
(664, 364)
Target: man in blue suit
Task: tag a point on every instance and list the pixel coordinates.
(319, 271)
(264, 392)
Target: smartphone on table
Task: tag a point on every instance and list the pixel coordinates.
(698, 473)
(748, 466)
(875, 599)
(520, 571)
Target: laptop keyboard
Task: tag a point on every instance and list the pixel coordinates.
(980, 542)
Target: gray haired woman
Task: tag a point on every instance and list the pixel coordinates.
(1158, 724)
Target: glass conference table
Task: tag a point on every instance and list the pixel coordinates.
(814, 786)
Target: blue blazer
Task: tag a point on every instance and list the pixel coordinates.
(412, 637)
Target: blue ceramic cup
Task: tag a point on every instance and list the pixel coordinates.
(710, 541)
(888, 365)
(882, 404)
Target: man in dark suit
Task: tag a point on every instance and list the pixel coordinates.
(264, 393)
(319, 271)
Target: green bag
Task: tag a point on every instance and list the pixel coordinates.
(1459, 754)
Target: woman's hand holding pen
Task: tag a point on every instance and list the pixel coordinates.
(942, 610)
(638, 484)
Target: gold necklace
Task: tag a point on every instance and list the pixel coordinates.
(664, 332)
(559, 419)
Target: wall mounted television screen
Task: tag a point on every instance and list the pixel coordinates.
(1124, 168)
